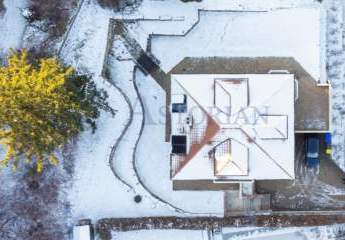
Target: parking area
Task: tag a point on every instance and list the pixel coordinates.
(318, 188)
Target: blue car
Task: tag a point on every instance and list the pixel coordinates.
(312, 151)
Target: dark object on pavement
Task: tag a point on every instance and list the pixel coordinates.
(137, 198)
(312, 151)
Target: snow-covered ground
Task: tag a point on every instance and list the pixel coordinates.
(242, 233)
(12, 25)
(96, 193)
(288, 33)
(160, 235)
(152, 9)
(153, 156)
(331, 232)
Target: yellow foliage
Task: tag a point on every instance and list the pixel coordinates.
(39, 165)
(53, 160)
(37, 112)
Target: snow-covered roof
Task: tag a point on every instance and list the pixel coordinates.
(245, 131)
(231, 93)
(231, 158)
(82, 232)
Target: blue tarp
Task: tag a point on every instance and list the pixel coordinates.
(328, 138)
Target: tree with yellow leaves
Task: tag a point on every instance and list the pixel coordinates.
(43, 104)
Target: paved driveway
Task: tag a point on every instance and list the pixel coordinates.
(313, 189)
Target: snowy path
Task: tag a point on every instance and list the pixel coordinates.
(117, 144)
(123, 162)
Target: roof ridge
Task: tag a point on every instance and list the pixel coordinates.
(266, 153)
(204, 140)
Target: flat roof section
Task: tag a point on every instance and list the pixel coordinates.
(292, 32)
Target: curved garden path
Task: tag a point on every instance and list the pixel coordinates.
(114, 148)
(123, 157)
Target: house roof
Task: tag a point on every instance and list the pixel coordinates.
(231, 158)
(256, 125)
(310, 97)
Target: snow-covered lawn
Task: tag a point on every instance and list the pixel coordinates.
(96, 193)
(240, 233)
(85, 47)
(330, 232)
(283, 33)
(174, 8)
(12, 25)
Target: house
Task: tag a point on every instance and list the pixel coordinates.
(237, 125)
